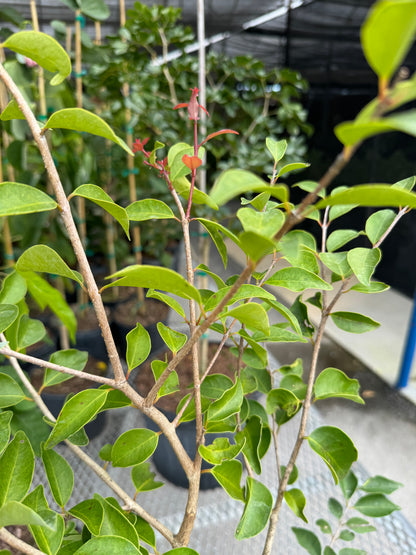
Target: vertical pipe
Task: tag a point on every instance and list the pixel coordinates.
(409, 350)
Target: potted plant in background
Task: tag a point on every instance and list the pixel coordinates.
(267, 222)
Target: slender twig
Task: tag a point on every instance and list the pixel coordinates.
(399, 215)
(302, 426)
(69, 224)
(19, 545)
(6, 351)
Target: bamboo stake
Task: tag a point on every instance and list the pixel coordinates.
(137, 245)
(82, 226)
(110, 233)
(7, 238)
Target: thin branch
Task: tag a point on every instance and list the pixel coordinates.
(19, 545)
(69, 224)
(6, 351)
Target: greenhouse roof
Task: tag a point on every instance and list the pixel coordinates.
(320, 38)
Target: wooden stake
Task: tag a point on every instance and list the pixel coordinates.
(7, 238)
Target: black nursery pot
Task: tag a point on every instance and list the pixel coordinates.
(93, 342)
(166, 461)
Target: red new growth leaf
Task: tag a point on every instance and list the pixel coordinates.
(192, 105)
(222, 132)
(192, 162)
(139, 145)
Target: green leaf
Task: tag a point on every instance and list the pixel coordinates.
(172, 303)
(100, 197)
(49, 539)
(42, 49)
(286, 313)
(138, 346)
(339, 238)
(346, 535)
(177, 168)
(351, 551)
(349, 485)
(363, 262)
(214, 385)
(5, 419)
(233, 183)
(8, 314)
(252, 438)
(297, 279)
(116, 522)
(107, 544)
(337, 262)
(228, 404)
(77, 411)
(220, 450)
(252, 315)
(283, 404)
(134, 447)
(276, 148)
(145, 532)
(370, 195)
(378, 223)
(335, 508)
(279, 335)
(291, 167)
(373, 287)
(255, 246)
(266, 224)
(149, 209)
(375, 505)
(307, 540)
(228, 474)
(46, 295)
(143, 478)
(246, 291)
(71, 358)
(181, 551)
(352, 322)
(60, 476)
(324, 526)
(78, 119)
(175, 340)
(155, 277)
(335, 448)
(331, 382)
(397, 20)
(13, 289)
(18, 198)
(259, 502)
(29, 332)
(41, 258)
(17, 464)
(96, 9)
(91, 513)
(379, 484)
(360, 526)
(13, 513)
(296, 501)
(172, 382)
(10, 392)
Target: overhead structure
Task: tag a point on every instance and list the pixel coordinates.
(320, 38)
